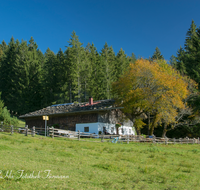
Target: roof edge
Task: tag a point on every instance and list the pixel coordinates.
(66, 113)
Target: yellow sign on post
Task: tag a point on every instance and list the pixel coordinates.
(45, 118)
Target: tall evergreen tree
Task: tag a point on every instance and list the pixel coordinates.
(61, 78)
(188, 59)
(3, 46)
(121, 64)
(7, 74)
(74, 59)
(108, 62)
(192, 53)
(49, 82)
(180, 62)
(157, 54)
(96, 75)
(132, 58)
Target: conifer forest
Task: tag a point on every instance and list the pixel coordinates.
(31, 79)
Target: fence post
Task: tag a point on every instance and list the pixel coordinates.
(193, 140)
(47, 131)
(166, 141)
(11, 129)
(26, 130)
(174, 140)
(2, 125)
(198, 140)
(52, 132)
(102, 137)
(154, 139)
(127, 139)
(33, 131)
(79, 135)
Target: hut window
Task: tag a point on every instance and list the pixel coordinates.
(86, 129)
(122, 131)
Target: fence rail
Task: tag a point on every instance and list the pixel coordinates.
(55, 132)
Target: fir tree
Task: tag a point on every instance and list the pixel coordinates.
(132, 58)
(157, 55)
(108, 63)
(74, 60)
(121, 64)
(95, 73)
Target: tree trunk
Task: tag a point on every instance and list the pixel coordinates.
(153, 125)
(117, 130)
(151, 130)
(138, 131)
(149, 121)
(164, 130)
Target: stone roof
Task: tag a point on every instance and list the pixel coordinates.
(99, 105)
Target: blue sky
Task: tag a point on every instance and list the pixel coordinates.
(136, 26)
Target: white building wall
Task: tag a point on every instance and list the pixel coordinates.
(110, 128)
(93, 127)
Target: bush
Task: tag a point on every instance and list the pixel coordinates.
(5, 116)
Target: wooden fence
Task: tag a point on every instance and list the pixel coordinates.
(55, 132)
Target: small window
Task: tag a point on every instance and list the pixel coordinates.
(104, 129)
(112, 129)
(122, 131)
(86, 129)
(129, 130)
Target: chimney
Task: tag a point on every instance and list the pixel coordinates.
(90, 101)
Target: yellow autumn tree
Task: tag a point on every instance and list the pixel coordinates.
(151, 87)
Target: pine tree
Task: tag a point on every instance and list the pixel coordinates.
(121, 64)
(7, 74)
(188, 59)
(180, 65)
(3, 46)
(50, 76)
(74, 60)
(61, 78)
(107, 60)
(96, 74)
(33, 74)
(132, 58)
(192, 52)
(157, 55)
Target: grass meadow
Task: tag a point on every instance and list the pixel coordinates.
(60, 163)
(21, 123)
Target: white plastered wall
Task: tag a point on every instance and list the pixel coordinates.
(110, 128)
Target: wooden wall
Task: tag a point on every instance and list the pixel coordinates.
(64, 122)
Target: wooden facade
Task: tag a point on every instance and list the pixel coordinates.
(67, 122)
(66, 116)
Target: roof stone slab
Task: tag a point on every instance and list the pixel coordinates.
(99, 105)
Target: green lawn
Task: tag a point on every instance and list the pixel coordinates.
(21, 123)
(89, 165)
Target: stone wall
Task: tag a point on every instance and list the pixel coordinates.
(113, 117)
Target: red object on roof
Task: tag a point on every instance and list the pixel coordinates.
(90, 103)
